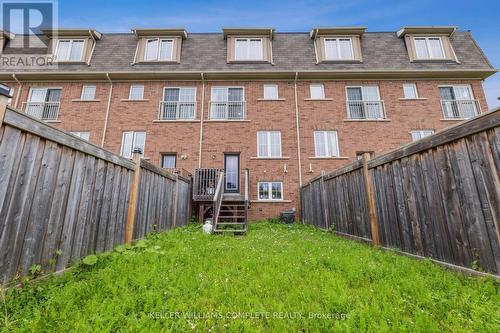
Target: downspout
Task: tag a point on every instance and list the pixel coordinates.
(18, 95)
(201, 117)
(93, 47)
(315, 46)
(271, 51)
(298, 130)
(107, 110)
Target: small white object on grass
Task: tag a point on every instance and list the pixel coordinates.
(207, 227)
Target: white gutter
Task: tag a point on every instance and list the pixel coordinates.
(298, 130)
(93, 47)
(18, 95)
(107, 110)
(315, 47)
(201, 117)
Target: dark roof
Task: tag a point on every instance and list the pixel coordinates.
(291, 52)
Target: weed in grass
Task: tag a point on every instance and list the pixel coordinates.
(275, 279)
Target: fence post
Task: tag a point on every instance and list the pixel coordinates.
(4, 98)
(324, 201)
(371, 200)
(176, 195)
(134, 189)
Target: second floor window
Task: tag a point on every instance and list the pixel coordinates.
(69, 49)
(458, 101)
(269, 144)
(429, 48)
(410, 90)
(326, 144)
(270, 91)
(364, 103)
(88, 93)
(227, 103)
(178, 103)
(168, 161)
(43, 103)
(132, 140)
(158, 49)
(248, 49)
(420, 134)
(317, 91)
(136, 92)
(338, 49)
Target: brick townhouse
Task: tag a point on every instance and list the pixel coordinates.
(285, 106)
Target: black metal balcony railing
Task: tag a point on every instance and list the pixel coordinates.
(365, 109)
(227, 110)
(42, 110)
(460, 108)
(177, 110)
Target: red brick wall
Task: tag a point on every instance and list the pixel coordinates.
(219, 137)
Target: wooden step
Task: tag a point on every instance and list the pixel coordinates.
(230, 223)
(231, 230)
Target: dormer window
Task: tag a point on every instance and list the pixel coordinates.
(158, 49)
(249, 45)
(69, 49)
(428, 43)
(338, 49)
(248, 49)
(341, 44)
(159, 45)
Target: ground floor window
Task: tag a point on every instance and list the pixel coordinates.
(82, 135)
(417, 135)
(168, 161)
(270, 190)
(132, 140)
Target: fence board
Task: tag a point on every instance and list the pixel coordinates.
(438, 197)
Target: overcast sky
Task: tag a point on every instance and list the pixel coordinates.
(481, 17)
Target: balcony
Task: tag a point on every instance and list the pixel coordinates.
(366, 110)
(227, 110)
(205, 183)
(42, 110)
(460, 109)
(177, 110)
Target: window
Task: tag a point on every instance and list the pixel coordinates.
(317, 91)
(168, 161)
(88, 93)
(364, 103)
(429, 48)
(420, 134)
(270, 190)
(43, 103)
(458, 101)
(248, 49)
(157, 49)
(227, 103)
(69, 49)
(178, 103)
(136, 92)
(270, 91)
(326, 144)
(132, 140)
(82, 135)
(410, 90)
(269, 144)
(338, 49)
(11, 93)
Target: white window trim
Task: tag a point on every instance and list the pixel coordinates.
(46, 90)
(414, 85)
(157, 58)
(227, 101)
(268, 139)
(277, 92)
(69, 50)
(427, 45)
(133, 142)
(322, 90)
(339, 57)
(328, 153)
(130, 92)
(247, 58)
(468, 86)
(79, 134)
(168, 154)
(270, 191)
(194, 101)
(365, 100)
(421, 131)
(83, 91)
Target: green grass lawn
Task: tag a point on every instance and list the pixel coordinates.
(274, 279)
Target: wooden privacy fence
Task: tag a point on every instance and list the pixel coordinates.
(62, 198)
(438, 197)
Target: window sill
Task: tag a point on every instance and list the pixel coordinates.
(454, 119)
(133, 100)
(435, 61)
(270, 158)
(341, 61)
(228, 120)
(270, 100)
(329, 158)
(52, 121)
(160, 62)
(270, 201)
(413, 99)
(318, 99)
(249, 62)
(68, 62)
(176, 121)
(366, 120)
(85, 100)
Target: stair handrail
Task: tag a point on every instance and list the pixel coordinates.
(217, 201)
(247, 195)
